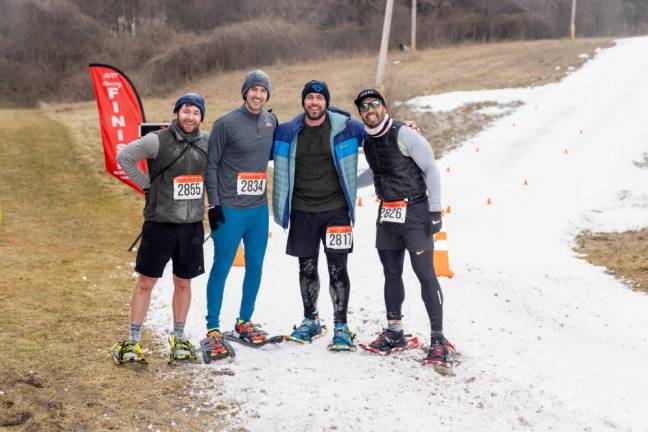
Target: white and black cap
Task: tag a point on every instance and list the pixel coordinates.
(368, 93)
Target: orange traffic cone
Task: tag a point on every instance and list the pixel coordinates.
(441, 261)
(239, 259)
(359, 202)
(269, 234)
(377, 199)
(489, 202)
(448, 210)
(526, 183)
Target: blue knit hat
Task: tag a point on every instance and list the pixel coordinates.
(191, 99)
(256, 78)
(315, 86)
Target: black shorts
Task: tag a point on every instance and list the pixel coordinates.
(308, 229)
(410, 235)
(182, 243)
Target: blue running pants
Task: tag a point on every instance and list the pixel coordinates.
(250, 225)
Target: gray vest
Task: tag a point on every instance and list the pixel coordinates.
(190, 160)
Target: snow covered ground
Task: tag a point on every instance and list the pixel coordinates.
(549, 341)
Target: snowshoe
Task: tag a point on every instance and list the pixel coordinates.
(182, 350)
(308, 331)
(232, 336)
(342, 339)
(389, 341)
(215, 347)
(441, 356)
(127, 352)
(250, 332)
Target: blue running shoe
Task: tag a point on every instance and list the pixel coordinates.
(342, 339)
(308, 330)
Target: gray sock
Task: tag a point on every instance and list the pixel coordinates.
(178, 329)
(394, 325)
(135, 331)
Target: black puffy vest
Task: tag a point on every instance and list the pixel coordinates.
(396, 176)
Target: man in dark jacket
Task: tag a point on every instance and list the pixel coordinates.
(407, 182)
(173, 215)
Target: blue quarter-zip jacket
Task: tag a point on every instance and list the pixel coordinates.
(346, 137)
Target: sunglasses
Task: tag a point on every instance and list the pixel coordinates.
(374, 104)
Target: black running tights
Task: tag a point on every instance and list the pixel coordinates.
(338, 285)
(392, 261)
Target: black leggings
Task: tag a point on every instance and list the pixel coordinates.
(339, 285)
(392, 261)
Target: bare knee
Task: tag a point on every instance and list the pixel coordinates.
(181, 284)
(145, 283)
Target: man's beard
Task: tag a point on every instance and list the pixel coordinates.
(184, 128)
(315, 117)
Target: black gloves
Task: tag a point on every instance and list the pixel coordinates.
(434, 223)
(216, 217)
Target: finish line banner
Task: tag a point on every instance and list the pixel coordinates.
(120, 115)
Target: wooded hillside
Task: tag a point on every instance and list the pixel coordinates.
(45, 45)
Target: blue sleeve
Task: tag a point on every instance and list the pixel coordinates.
(358, 131)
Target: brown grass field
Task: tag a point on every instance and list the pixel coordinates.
(65, 227)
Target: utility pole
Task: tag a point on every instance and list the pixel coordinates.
(572, 27)
(413, 38)
(384, 43)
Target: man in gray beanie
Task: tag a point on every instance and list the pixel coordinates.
(239, 150)
(256, 78)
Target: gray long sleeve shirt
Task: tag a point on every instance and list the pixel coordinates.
(240, 142)
(146, 147)
(413, 145)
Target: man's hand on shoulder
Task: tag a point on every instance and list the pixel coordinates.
(412, 125)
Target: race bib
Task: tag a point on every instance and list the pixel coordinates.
(339, 237)
(393, 211)
(251, 183)
(188, 187)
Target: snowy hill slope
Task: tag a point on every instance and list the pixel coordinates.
(549, 342)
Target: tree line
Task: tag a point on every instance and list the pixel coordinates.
(45, 45)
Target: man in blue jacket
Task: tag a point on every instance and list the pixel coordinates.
(315, 169)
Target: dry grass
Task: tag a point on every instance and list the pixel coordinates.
(624, 254)
(67, 224)
(458, 67)
(64, 298)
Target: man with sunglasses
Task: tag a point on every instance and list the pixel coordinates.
(173, 214)
(314, 193)
(407, 182)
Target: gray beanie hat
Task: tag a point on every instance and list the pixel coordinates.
(254, 78)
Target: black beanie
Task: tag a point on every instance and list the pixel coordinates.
(316, 86)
